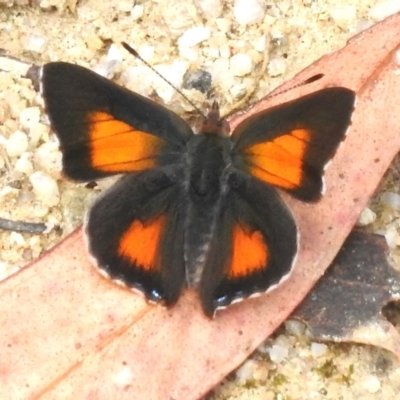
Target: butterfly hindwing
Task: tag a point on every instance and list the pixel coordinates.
(105, 129)
(253, 247)
(289, 145)
(135, 234)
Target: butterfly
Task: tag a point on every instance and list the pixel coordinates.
(195, 207)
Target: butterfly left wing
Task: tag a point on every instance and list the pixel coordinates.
(135, 234)
(289, 145)
(105, 129)
(253, 248)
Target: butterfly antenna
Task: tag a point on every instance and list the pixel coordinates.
(139, 57)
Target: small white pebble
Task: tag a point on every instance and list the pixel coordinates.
(221, 74)
(178, 15)
(34, 43)
(248, 12)
(366, 217)
(223, 24)
(318, 349)
(28, 93)
(240, 65)
(212, 52)
(124, 378)
(174, 73)
(41, 211)
(24, 164)
(362, 25)
(189, 53)
(17, 239)
(392, 237)
(138, 78)
(261, 44)
(114, 53)
(125, 6)
(238, 91)
(45, 4)
(37, 132)
(294, 327)
(45, 188)
(371, 384)
(78, 50)
(278, 353)
(284, 341)
(210, 8)
(48, 158)
(146, 51)
(194, 36)
(34, 241)
(17, 144)
(246, 372)
(279, 36)
(29, 117)
(137, 12)
(277, 66)
(384, 9)
(12, 100)
(343, 16)
(107, 68)
(391, 199)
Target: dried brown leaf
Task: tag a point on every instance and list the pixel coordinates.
(346, 304)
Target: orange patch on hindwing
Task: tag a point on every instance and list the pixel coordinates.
(140, 242)
(280, 161)
(250, 253)
(117, 147)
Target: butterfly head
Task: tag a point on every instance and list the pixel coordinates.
(213, 124)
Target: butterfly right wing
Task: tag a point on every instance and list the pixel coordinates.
(135, 234)
(290, 145)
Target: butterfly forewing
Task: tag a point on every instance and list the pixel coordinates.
(105, 129)
(289, 145)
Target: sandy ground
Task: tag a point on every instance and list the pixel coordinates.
(289, 35)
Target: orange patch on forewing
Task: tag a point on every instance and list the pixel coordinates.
(140, 243)
(118, 147)
(250, 253)
(280, 161)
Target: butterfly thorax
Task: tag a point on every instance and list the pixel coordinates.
(208, 165)
(213, 125)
